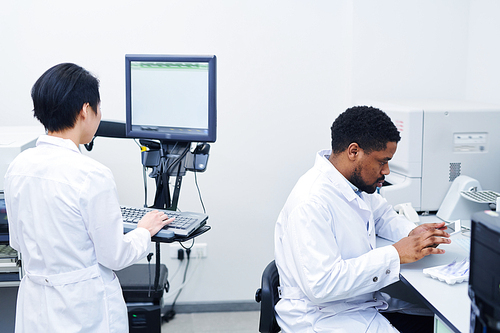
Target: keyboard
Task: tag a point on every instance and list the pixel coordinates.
(185, 223)
(481, 196)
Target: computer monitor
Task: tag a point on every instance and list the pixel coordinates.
(484, 277)
(171, 97)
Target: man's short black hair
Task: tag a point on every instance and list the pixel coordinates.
(367, 126)
(60, 93)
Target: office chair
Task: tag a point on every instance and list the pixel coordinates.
(267, 296)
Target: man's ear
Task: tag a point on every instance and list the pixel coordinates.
(85, 110)
(353, 151)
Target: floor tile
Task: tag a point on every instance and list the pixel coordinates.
(211, 322)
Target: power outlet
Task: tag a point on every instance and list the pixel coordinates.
(197, 251)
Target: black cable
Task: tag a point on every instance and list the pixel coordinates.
(178, 159)
(149, 269)
(145, 180)
(144, 177)
(162, 197)
(166, 201)
(157, 270)
(187, 248)
(170, 314)
(196, 183)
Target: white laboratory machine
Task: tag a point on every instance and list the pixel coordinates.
(13, 140)
(442, 140)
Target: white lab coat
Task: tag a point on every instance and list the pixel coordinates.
(65, 220)
(330, 269)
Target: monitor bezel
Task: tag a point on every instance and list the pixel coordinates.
(211, 135)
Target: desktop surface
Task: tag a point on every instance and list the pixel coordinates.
(450, 303)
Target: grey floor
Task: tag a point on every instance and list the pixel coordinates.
(236, 322)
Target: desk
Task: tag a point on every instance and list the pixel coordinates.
(450, 303)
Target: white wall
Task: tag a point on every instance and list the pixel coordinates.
(483, 70)
(410, 49)
(286, 69)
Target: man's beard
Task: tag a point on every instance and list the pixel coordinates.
(357, 181)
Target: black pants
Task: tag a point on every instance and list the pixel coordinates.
(406, 323)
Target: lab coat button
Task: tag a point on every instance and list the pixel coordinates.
(375, 279)
(46, 280)
(388, 272)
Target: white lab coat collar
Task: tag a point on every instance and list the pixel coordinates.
(56, 141)
(325, 166)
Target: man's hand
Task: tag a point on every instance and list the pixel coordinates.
(421, 242)
(426, 227)
(153, 221)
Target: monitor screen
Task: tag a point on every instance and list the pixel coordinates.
(171, 98)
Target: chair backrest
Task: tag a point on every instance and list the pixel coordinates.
(268, 296)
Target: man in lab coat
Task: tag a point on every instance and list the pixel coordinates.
(65, 219)
(330, 269)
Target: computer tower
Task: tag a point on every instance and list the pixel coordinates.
(145, 318)
(142, 288)
(484, 277)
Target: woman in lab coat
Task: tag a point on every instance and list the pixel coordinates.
(330, 269)
(64, 216)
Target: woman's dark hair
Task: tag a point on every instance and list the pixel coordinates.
(60, 93)
(369, 127)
